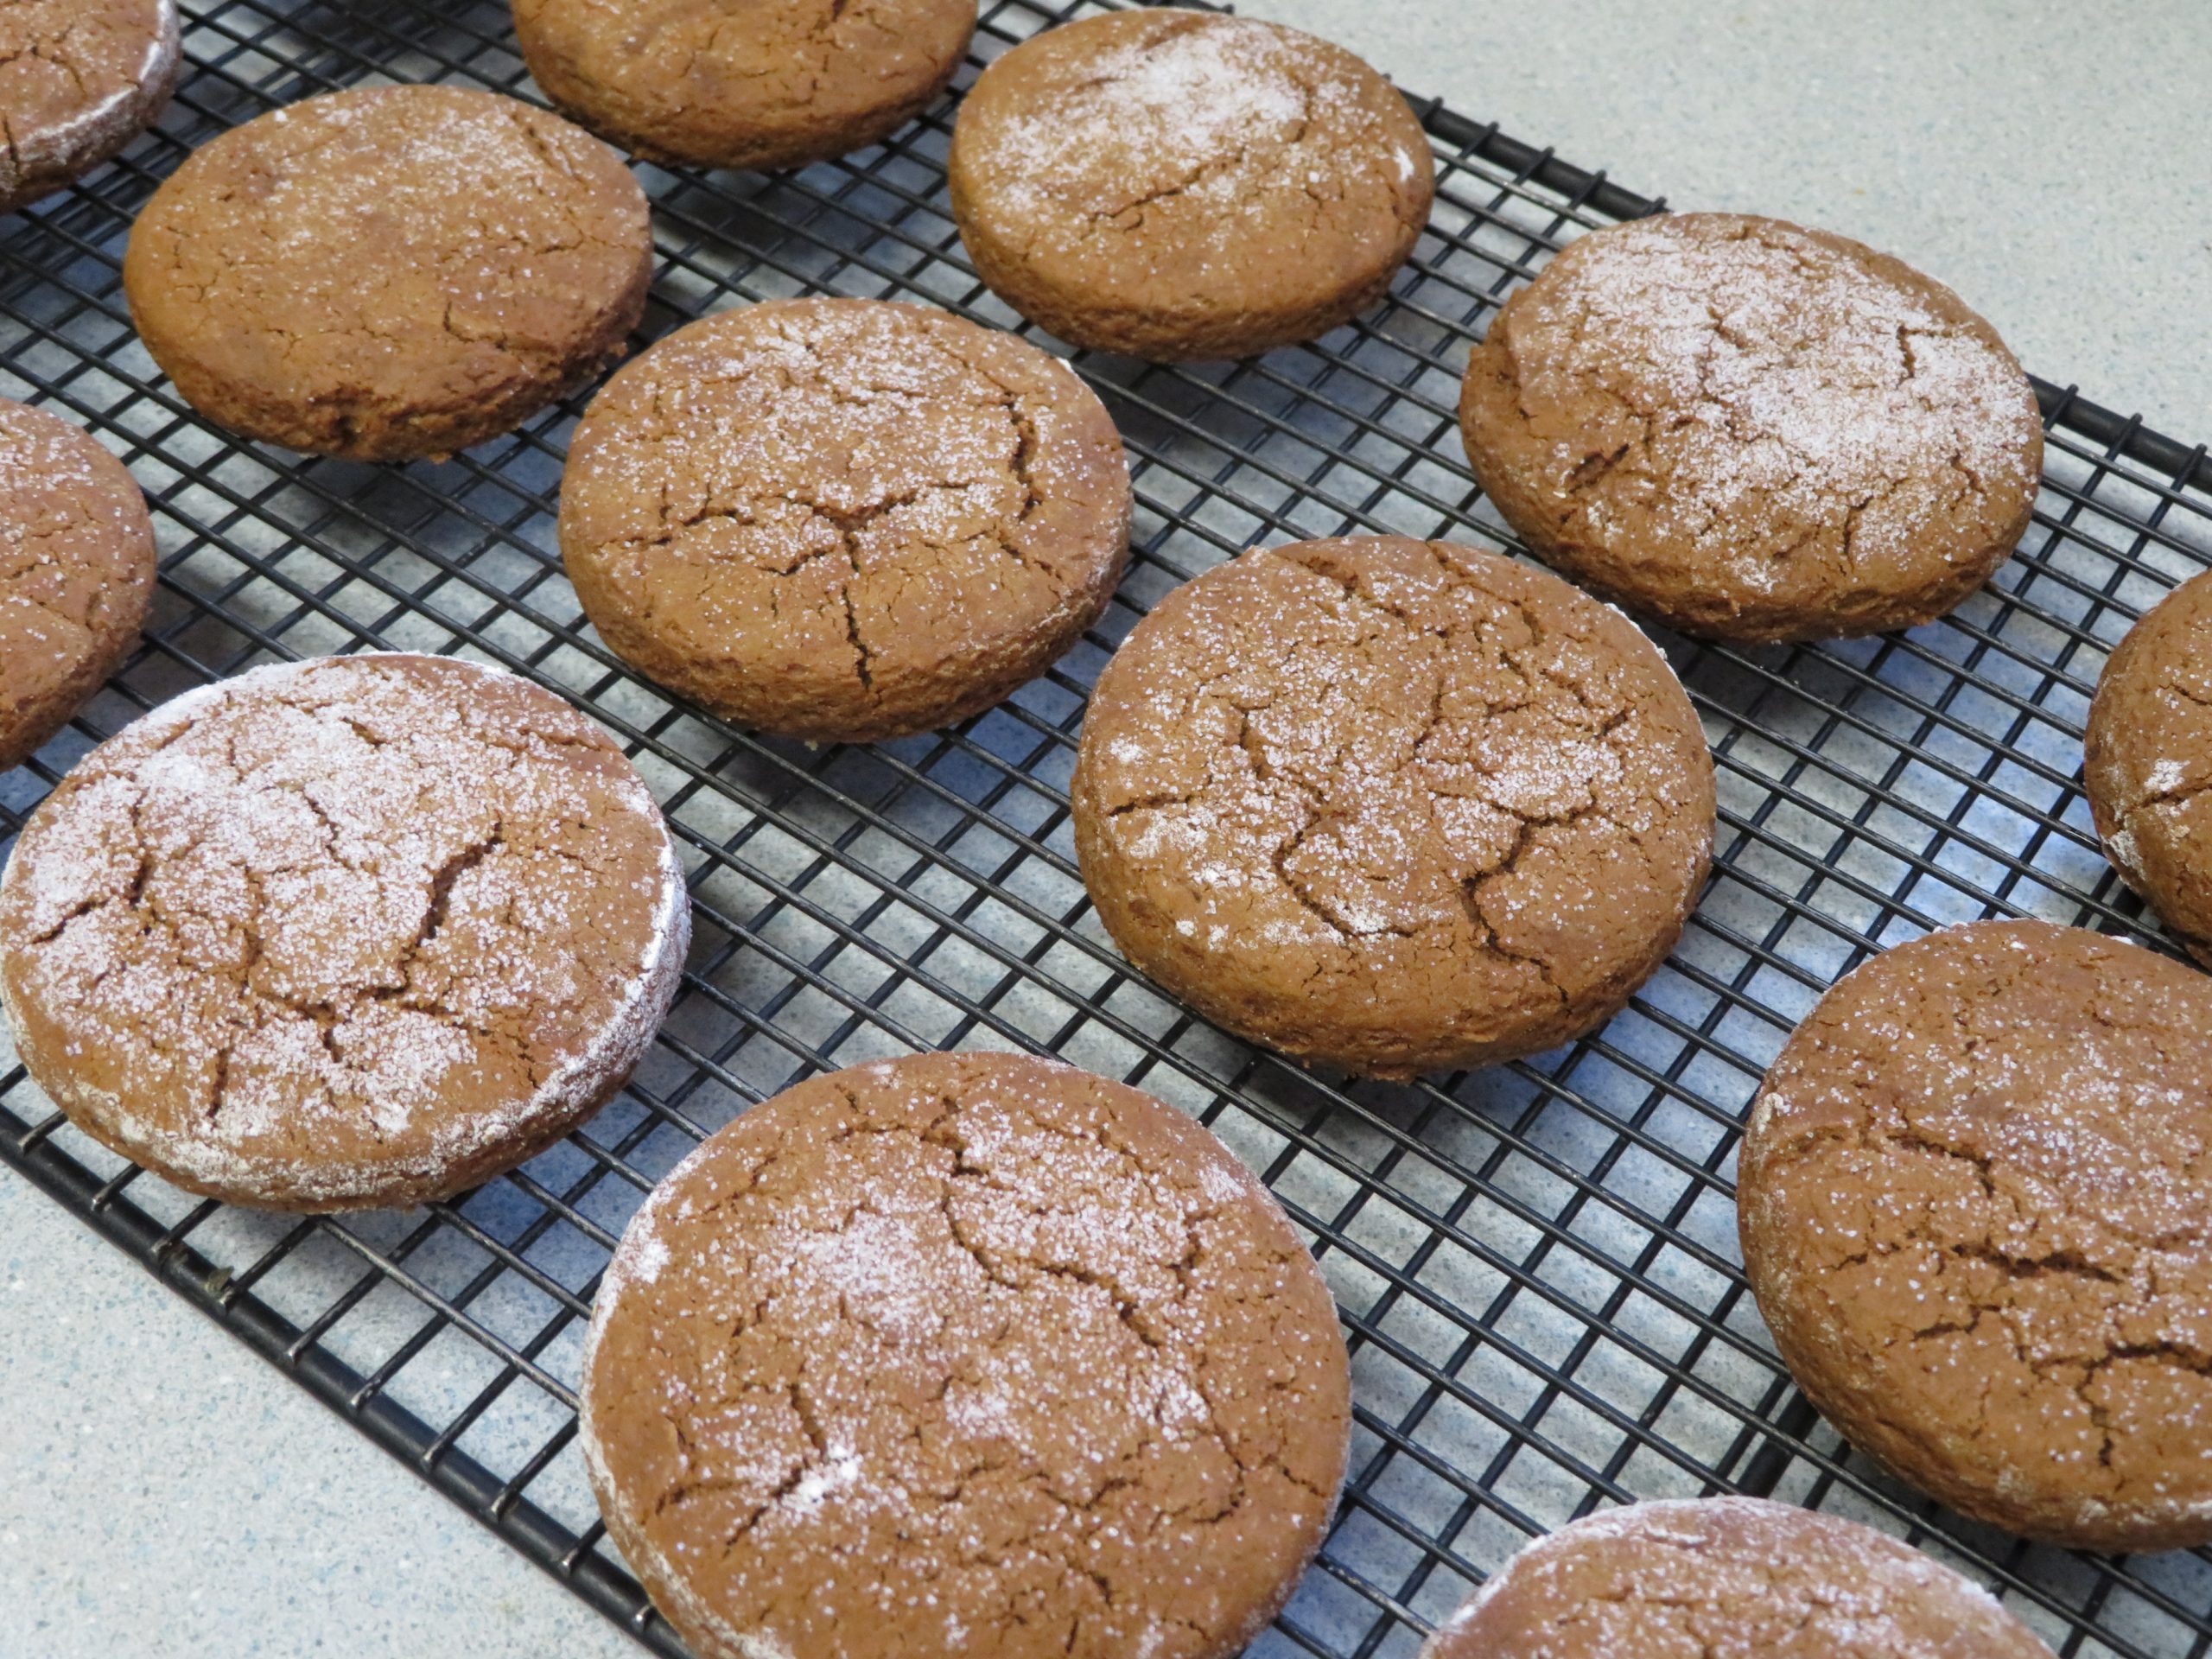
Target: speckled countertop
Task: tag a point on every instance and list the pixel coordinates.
(162, 1491)
(2051, 161)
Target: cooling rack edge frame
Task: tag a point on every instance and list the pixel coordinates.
(111, 1214)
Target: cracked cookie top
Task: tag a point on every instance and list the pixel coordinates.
(1976, 1213)
(1182, 184)
(79, 79)
(348, 932)
(844, 519)
(389, 273)
(1754, 431)
(964, 1353)
(77, 558)
(1399, 806)
(1728, 1578)
(744, 82)
(2147, 761)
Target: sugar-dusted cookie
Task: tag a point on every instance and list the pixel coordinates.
(1974, 1212)
(743, 83)
(1185, 184)
(77, 559)
(354, 931)
(964, 1354)
(389, 273)
(844, 519)
(1728, 1578)
(79, 80)
(1753, 431)
(1398, 806)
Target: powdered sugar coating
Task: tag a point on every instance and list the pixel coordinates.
(1182, 183)
(341, 933)
(1392, 804)
(1194, 100)
(1974, 1211)
(1754, 430)
(1727, 1578)
(967, 1352)
(79, 79)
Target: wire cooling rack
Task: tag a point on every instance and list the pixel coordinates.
(1536, 1264)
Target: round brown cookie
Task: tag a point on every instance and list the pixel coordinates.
(1399, 806)
(1728, 1578)
(79, 80)
(2148, 761)
(1753, 431)
(77, 559)
(964, 1353)
(355, 932)
(1182, 184)
(1974, 1214)
(744, 82)
(389, 273)
(844, 519)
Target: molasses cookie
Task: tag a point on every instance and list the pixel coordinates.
(1975, 1213)
(741, 83)
(1397, 806)
(844, 519)
(1753, 431)
(76, 573)
(1728, 1578)
(79, 80)
(336, 934)
(389, 273)
(1184, 184)
(966, 1353)
(2148, 762)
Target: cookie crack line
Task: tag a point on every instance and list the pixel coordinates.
(1875, 1137)
(2022, 1264)
(1752, 430)
(1318, 813)
(41, 47)
(330, 1011)
(852, 521)
(1273, 153)
(1597, 465)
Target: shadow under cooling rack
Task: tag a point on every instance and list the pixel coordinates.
(1536, 1264)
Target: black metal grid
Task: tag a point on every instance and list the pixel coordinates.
(1536, 1264)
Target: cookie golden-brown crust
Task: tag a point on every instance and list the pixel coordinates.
(1753, 431)
(1975, 1213)
(79, 80)
(741, 83)
(356, 932)
(844, 519)
(1728, 1578)
(389, 273)
(2147, 762)
(77, 560)
(964, 1353)
(1398, 806)
(1180, 184)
